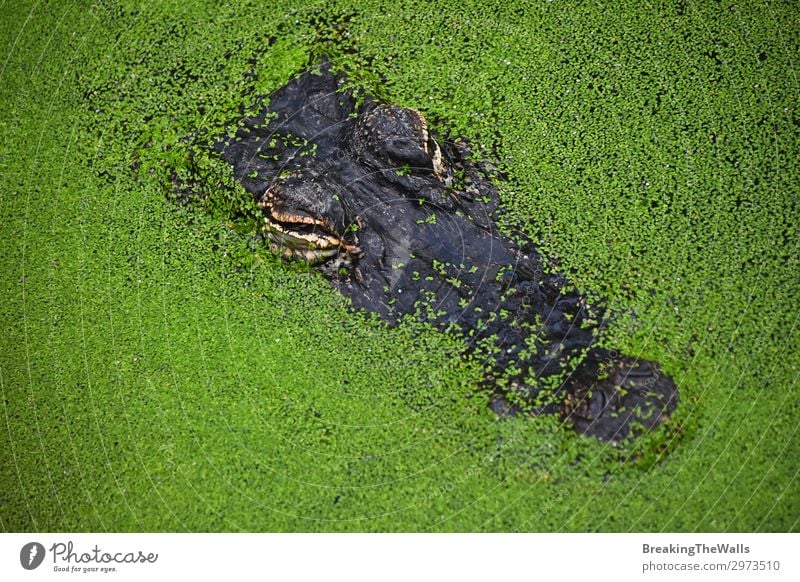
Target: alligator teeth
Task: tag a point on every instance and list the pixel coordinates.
(309, 255)
(296, 219)
(296, 238)
(312, 246)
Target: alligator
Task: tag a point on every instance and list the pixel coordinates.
(405, 224)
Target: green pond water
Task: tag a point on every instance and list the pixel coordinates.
(161, 371)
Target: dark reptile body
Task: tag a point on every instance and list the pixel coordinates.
(418, 241)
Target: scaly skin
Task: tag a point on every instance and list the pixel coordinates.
(403, 224)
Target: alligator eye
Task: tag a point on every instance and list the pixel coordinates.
(433, 150)
(408, 152)
(401, 137)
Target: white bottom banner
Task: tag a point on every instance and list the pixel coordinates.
(377, 557)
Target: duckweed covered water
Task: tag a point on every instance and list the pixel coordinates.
(160, 370)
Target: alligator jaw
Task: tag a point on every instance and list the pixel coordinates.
(300, 236)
